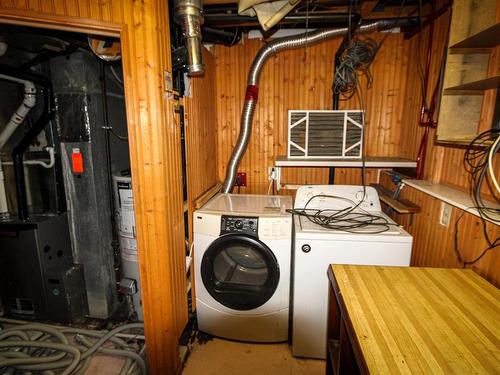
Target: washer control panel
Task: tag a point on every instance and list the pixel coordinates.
(239, 224)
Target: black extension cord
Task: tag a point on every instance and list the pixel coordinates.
(476, 163)
(352, 219)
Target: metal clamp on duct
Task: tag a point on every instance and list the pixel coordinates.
(258, 64)
(187, 14)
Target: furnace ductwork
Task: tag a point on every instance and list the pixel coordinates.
(258, 64)
(187, 13)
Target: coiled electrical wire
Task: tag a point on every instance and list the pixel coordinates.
(476, 162)
(477, 159)
(356, 59)
(352, 219)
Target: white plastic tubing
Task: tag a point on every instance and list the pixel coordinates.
(17, 118)
(278, 45)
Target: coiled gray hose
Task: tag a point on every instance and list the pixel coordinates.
(54, 355)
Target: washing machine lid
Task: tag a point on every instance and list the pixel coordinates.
(306, 229)
(246, 204)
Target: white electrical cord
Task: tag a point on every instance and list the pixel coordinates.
(490, 163)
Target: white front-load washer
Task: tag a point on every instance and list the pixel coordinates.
(242, 256)
(317, 246)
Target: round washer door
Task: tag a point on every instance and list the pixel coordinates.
(240, 272)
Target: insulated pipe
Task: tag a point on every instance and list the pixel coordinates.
(187, 14)
(259, 61)
(46, 116)
(19, 115)
(16, 119)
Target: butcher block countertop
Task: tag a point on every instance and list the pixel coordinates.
(419, 320)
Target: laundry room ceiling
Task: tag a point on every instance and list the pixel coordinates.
(223, 14)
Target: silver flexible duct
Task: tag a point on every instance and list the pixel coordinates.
(188, 14)
(259, 61)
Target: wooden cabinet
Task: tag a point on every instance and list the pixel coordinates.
(472, 72)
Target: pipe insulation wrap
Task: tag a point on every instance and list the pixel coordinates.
(274, 47)
(16, 119)
(21, 112)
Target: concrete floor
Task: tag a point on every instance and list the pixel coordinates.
(224, 357)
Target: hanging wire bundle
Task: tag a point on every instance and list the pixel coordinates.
(354, 61)
(478, 161)
(39, 348)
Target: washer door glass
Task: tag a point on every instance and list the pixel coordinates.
(240, 272)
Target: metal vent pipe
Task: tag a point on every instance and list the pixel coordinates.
(187, 14)
(251, 96)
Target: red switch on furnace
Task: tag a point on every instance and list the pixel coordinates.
(77, 161)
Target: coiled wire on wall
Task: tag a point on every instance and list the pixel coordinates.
(478, 162)
(33, 347)
(356, 59)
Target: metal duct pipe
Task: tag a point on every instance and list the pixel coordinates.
(259, 61)
(187, 14)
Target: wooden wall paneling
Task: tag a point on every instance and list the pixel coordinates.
(434, 244)
(200, 133)
(302, 79)
(200, 124)
(413, 96)
(154, 150)
(444, 163)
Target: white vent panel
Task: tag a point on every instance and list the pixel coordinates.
(325, 134)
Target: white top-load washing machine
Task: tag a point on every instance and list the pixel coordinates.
(242, 256)
(318, 245)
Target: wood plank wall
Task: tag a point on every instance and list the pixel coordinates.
(434, 244)
(201, 130)
(302, 79)
(154, 150)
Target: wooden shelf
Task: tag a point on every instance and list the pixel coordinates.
(469, 86)
(370, 162)
(400, 205)
(485, 39)
(474, 88)
(454, 197)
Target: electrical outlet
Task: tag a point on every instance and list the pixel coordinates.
(241, 179)
(444, 219)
